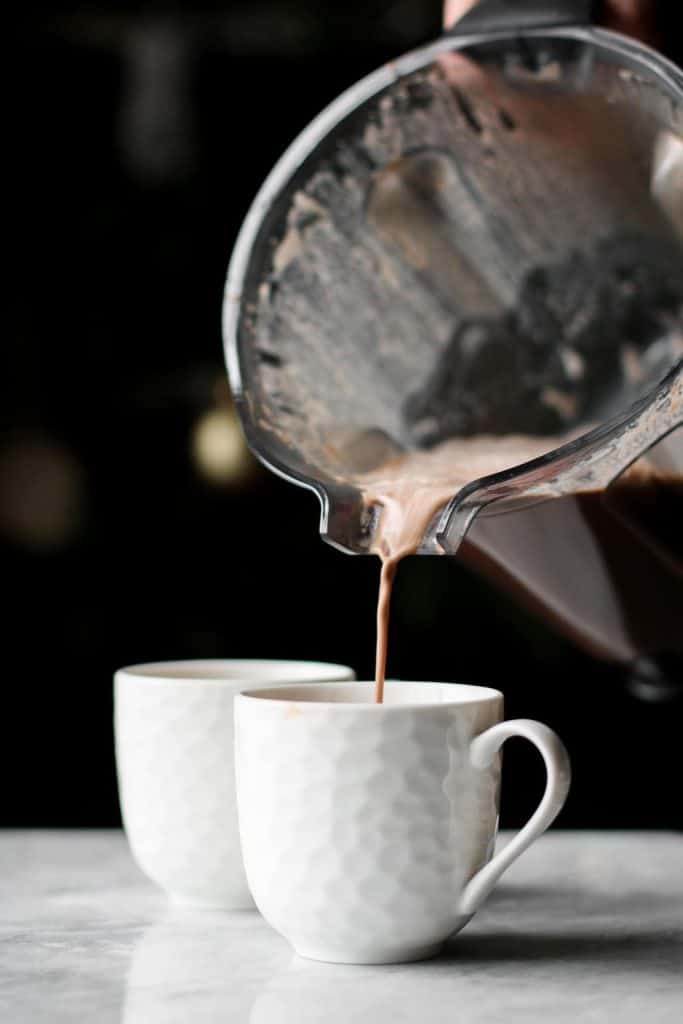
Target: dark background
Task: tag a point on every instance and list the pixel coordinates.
(140, 133)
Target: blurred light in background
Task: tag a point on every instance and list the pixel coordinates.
(219, 449)
(156, 125)
(42, 492)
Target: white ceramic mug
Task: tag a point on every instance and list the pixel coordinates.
(368, 829)
(175, 763)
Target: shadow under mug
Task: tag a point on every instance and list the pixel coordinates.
(173, 724)
(368, 829)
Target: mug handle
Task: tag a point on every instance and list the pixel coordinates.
(483, 749)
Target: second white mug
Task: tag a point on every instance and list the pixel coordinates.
(175, 764)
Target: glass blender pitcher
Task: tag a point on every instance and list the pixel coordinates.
(483, 242)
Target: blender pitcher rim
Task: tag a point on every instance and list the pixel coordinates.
(583, 442)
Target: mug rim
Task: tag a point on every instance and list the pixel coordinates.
(241, 671)
(286, 695)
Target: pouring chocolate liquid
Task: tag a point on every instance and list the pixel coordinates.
(455, 313)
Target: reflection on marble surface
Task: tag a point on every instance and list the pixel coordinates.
(595, 975)
(587, 927)
(215, 959)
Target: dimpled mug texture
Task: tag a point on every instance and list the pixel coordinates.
(175, 763)
(360, 830)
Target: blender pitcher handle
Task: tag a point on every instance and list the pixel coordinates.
(483, 749)
(493, 15)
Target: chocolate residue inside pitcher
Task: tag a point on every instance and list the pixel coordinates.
(580, 332)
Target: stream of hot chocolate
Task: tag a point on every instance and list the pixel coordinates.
(411, 489)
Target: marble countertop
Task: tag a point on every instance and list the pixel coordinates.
(585, 927)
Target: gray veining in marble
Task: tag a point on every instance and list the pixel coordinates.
(586, 927)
